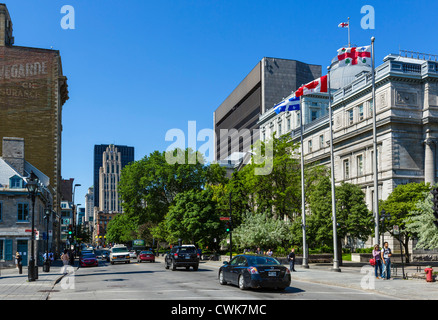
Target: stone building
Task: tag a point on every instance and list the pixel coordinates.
(16, 206)
(33, 90)
(407, 126)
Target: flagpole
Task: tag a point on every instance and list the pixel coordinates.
(335, 236)
(303, 204)
(376, 173)
(349, 44)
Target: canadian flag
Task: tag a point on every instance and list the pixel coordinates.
(318, 85)
(354, 56)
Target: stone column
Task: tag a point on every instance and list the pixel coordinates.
(429, 161)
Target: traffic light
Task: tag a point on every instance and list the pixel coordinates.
(70, 229)
(435, 205)
(228, 226)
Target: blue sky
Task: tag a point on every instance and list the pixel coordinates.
(144, 67)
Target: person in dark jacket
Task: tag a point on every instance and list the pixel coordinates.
(291, 259)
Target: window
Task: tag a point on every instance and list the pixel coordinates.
(359, 160)
(314, 114)
(360, 110)
(23, 212)
(279, 130)
(350, 116)
(15, 182)
(346, 169)
(1, 211)
(288, 124)
(370, 103)
(310, 145)
(321, 141)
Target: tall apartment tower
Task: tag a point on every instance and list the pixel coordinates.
(109, 177)
(126, 157)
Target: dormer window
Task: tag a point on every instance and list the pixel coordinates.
(15, 182)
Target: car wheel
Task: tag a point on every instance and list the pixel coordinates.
(221, 278)
(173, 266)
(195, 268)
(242, 284)
(166, 265)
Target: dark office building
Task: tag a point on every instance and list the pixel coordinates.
(127, 157)
(267, 84)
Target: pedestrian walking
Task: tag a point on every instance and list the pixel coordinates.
(18, 262)
(65, 260)
(291, 259)
(378, 261)
(386, 260)
(269, 252)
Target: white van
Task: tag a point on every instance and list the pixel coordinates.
(119, 253)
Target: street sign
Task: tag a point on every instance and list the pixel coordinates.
(224, 218)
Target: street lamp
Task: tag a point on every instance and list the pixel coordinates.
(47, 213)
(384, 216)
(32, 188)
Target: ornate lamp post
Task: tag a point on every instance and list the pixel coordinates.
(32, 188)
(384, 216)
(47, 213)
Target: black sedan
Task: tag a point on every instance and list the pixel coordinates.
(248, 271)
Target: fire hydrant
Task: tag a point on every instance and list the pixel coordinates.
(429, 274)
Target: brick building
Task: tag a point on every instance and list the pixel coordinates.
(33, 90)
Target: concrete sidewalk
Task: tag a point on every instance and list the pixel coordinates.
(361, 277)
(15, 286)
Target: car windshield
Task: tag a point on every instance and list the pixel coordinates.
(262, 261)
(187, 250)
(89, 256)
(120, 249)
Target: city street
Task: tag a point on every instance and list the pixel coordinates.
(151, 281)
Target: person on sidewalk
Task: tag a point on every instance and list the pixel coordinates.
(269, 252)
(18, 260)
(291, 259)
(65, 260)
(386, 260)
(378, 260)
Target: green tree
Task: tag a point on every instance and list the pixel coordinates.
(261, 230)
(401, 205)
(193, 219)
(420, 223)
(149, 186)
(354, 220)
(121, 229)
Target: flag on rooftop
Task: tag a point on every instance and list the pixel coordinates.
(343, 25)
(288, 104)
(318, 85)
(354, 56)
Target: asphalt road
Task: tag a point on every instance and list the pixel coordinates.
(151, 281)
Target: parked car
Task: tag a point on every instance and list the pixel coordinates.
(146, 256)
(119, 254)
(88, 260)
(248, 271)
(182, 256)
(132, 254)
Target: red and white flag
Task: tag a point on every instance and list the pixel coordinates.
(343, 25)
(318, 85)
(354, 56)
